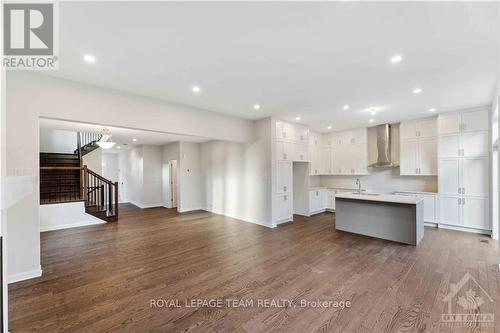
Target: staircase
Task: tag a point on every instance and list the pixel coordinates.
(63, 178)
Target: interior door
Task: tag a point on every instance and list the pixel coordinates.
(475, 144)
(408, 158)
(449, 176)
(475, 174)
(449, 123)
(173, 183)
(449, 146)
(475, 213)
(475, 121)
(427, 157)
(449, 209)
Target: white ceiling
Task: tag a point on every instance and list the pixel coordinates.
(124, 137)
(292, 58)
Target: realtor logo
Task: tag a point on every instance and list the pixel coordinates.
(29, 36)
(471, 304)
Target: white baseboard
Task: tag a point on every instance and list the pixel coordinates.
(472, 230)
(24, 275)
(190, 209)
(74, 225)
(144, 206)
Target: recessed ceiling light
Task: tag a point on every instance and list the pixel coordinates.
(196, 89)
(119, 147)
(134, 139)
(297, 118)
(396, 58)
(417, 90)
(432, 109)
(89, 58)
(329, 127)
(256, 107)
(373, 113)
(372, 120)
(346, 107)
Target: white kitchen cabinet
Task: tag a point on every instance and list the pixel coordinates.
(330, 199)
(475, 213)
(284, 150)
(467, 212)
(315, 159)
(450, 210)
(464, 169)
(418, 157)
(475, 144)
(474, 177)
(284, 207)
(449, 146)
(427, 157)
(415, 129)
(449, 123)
(463, 122)
(449, 176)
(325, 166)
(418, 147)
(317, 200)
(300, 152)
(475, 121)
(408, 157)
(284, 177)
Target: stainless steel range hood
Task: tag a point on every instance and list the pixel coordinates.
(384, 148)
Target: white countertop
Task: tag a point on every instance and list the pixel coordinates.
(381, 198)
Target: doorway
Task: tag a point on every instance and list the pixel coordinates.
(170, 187)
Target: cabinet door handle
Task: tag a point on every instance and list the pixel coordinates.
(301, 137)
(285, 198)
(459, 201)
(317, 193)
(284, 156)
(459, 190)
(463, 190)
(416, 171)
(463, 201)
(284, 188)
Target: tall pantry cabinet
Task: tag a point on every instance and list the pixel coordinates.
(463, 169)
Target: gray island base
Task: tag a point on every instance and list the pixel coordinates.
(391, 217)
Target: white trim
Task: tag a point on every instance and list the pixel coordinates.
(25, 275)
(73, 225)
(193, 209)
(459, 228)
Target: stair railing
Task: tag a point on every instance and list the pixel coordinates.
(100, 194)
(84, 139)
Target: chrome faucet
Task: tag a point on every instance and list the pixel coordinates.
(358, 182)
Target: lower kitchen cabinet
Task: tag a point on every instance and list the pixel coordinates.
(330, 199)
(317, 200)
(284, 208)
(469, 212)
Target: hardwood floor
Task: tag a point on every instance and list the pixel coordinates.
(102, 278)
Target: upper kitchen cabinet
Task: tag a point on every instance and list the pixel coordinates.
(418, 147)
(421, 128)
(291, 142)
(292, 132)
(349, 152)
(468, 121)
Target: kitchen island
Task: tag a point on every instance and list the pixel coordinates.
(392, 217)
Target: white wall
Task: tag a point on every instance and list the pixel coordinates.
(57, 141)
(93, 160)
(152, 168)
(65, 215)
(237, 180)
(134, 177)
(110, 166)
(123, 175)
(191, 193)
(30, 96)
